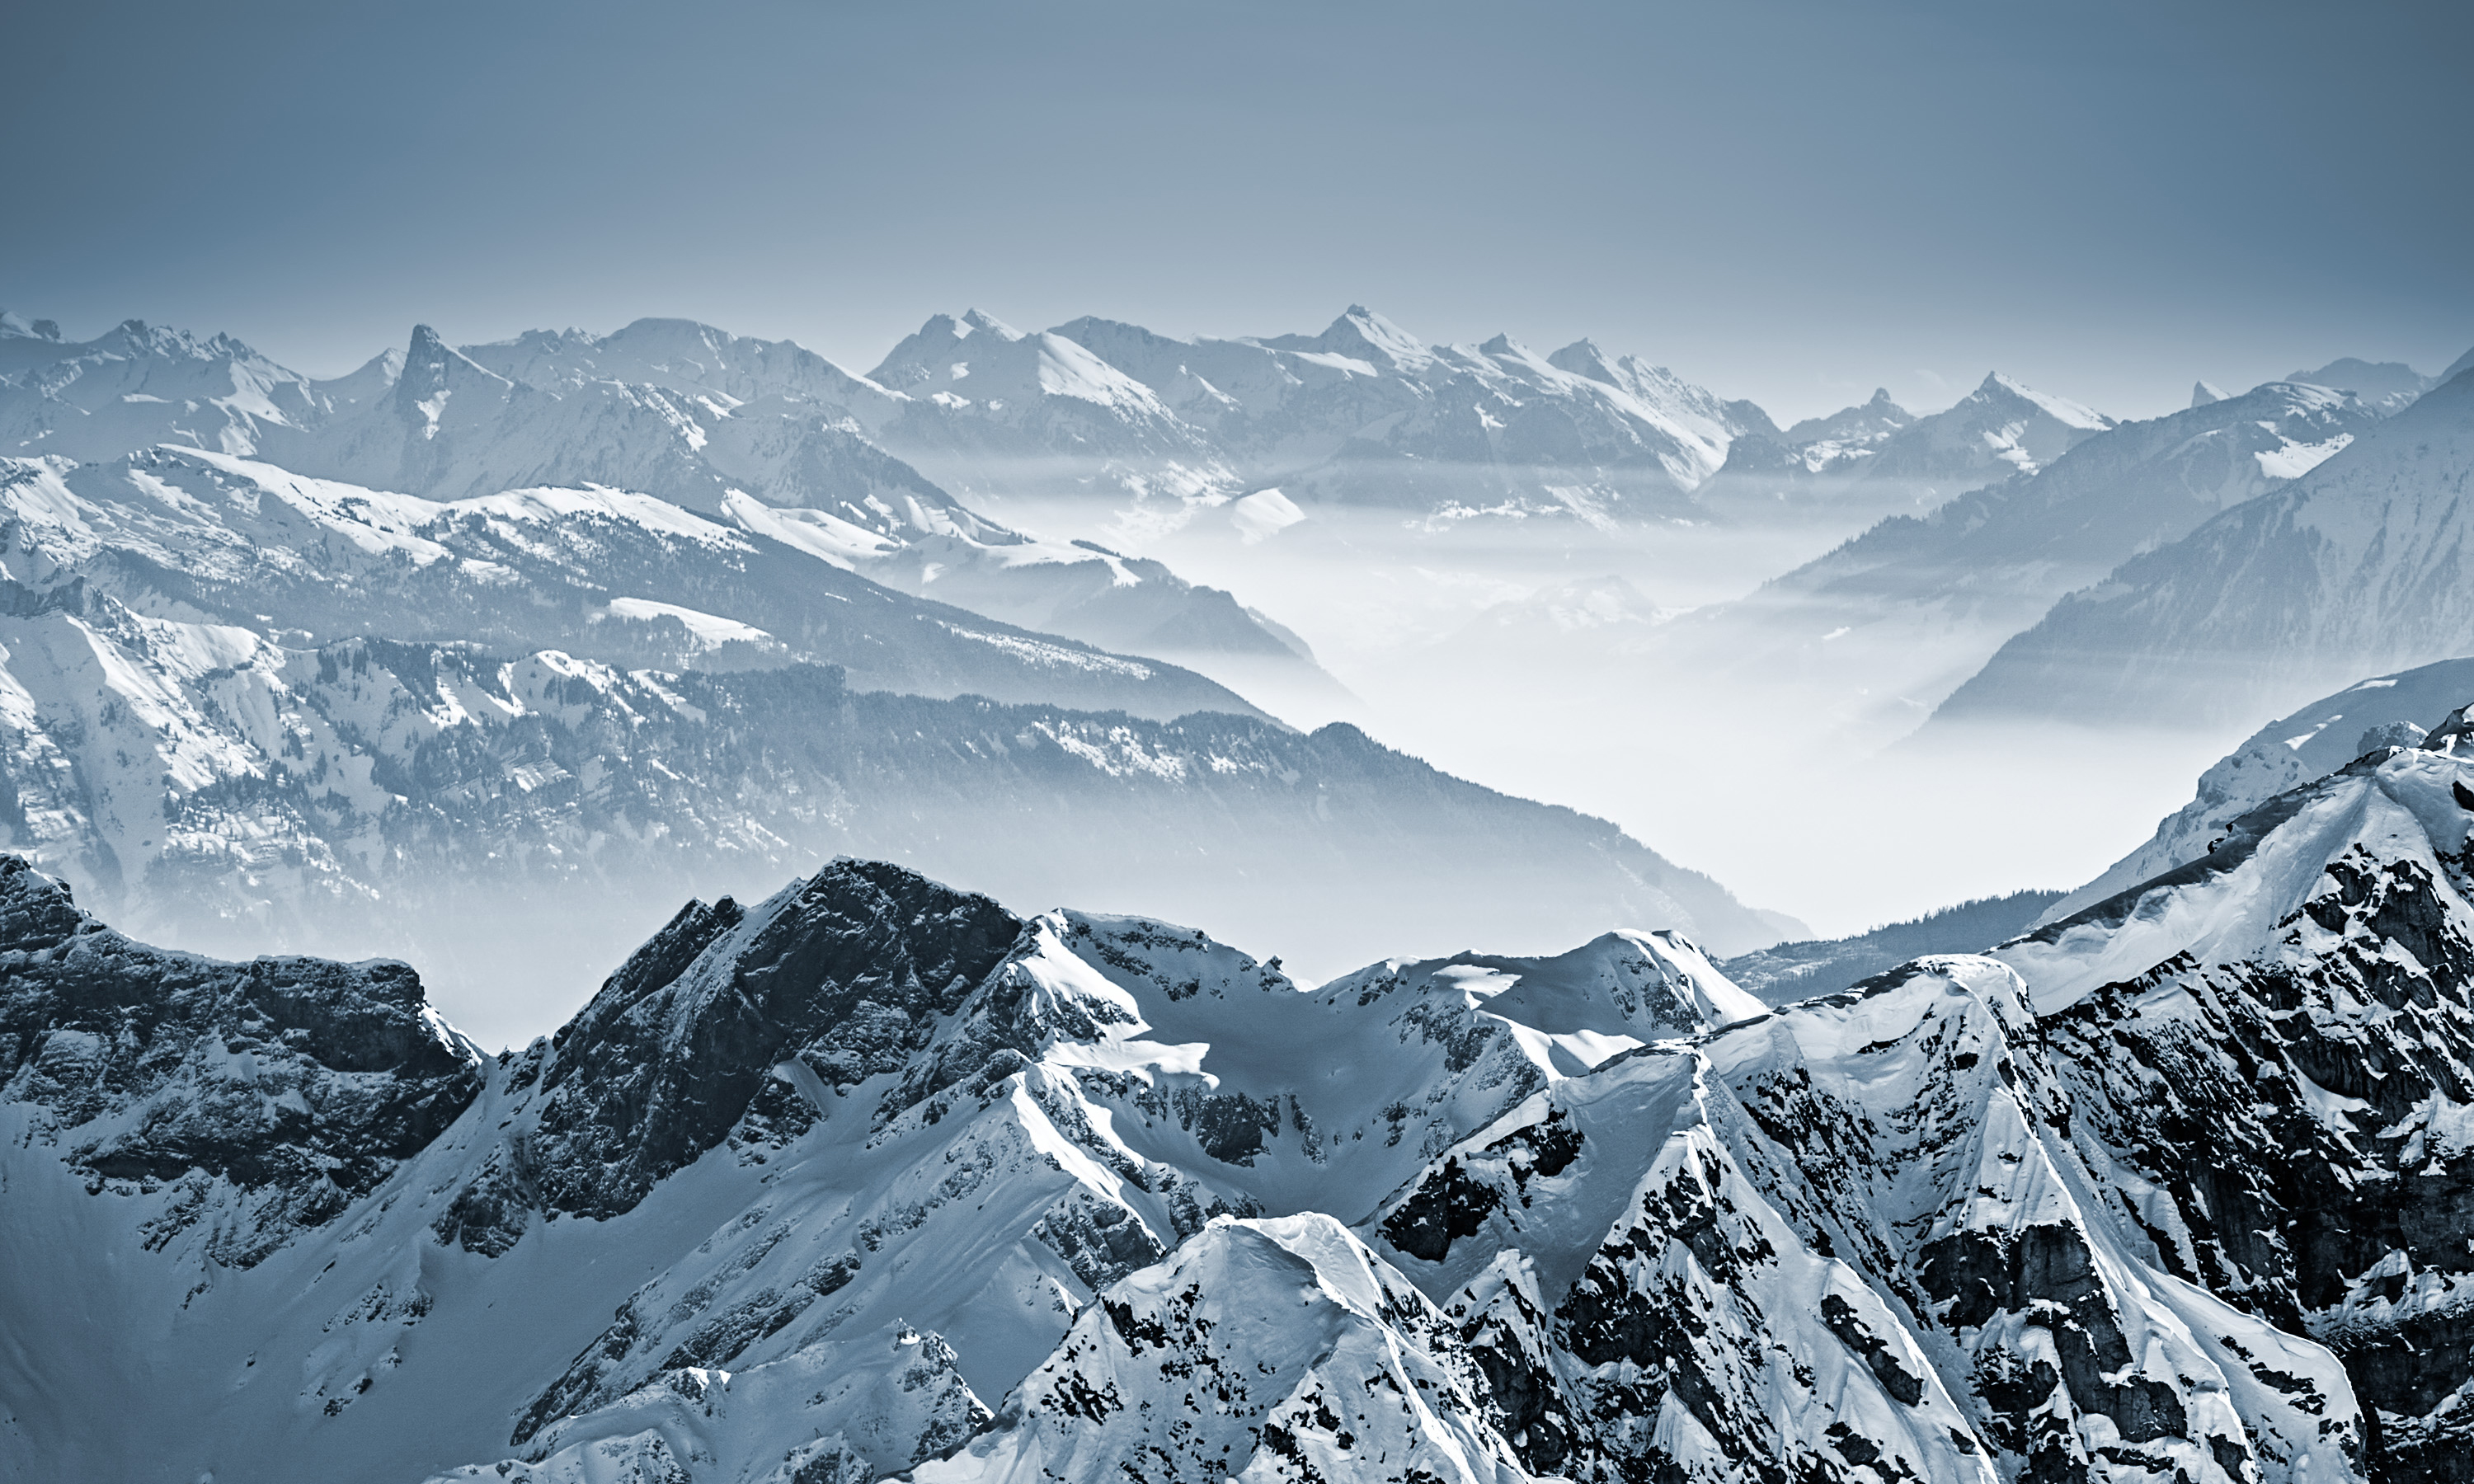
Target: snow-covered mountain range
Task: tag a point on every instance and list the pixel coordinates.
(1363, 413)
(2312, 742)
(508, 817)
(1367, 414)
(488, 657)
(759, 435)
(875, 1177)
(2353, 567)
(1884, 628)
(416, 660)
(190, 537)
(2001, 428)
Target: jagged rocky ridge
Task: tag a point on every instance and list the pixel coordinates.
(2272, 1041)
(2000, 430)
(874, 1177)
(195, 538)
(760, 435)
(1362, 414)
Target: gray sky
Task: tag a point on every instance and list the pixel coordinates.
(1794, 202)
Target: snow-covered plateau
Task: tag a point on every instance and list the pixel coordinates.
(875, 1178)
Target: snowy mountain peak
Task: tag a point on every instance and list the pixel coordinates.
(2063, 409)
(926, 353)
(974, 322)
(1583, 358)
(1362, 334)
(370, 380)
(2454, 736)
(1862, 425)
(1378, 334)
(669, 331)
(683, 1041)
(1622, 983)
(856, 1157)
(139, 339)
(36, 910)
(2388, 385)
(15, 327)
(2202, 394)
(1260, 1350)
(250, 1103)
(431, 366)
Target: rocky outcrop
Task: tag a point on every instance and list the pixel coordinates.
(2170, 1190)
(267, 1097)
(708, 1028)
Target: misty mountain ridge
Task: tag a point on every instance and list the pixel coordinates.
(2368, 717)
(2351, 567)
(1333, 415)
(503, 814)
(783, 462)
(1784, 973)
(1882, 627)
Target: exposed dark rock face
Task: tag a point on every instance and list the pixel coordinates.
(290, 1087)
(1906, 1232)
(2297, 1109)
(1447, 1205)
(2048, 1271)
(848, 978)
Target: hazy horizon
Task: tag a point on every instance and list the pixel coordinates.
(1787, 201)
(1939, 395)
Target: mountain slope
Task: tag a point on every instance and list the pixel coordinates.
(1881, 457)
(1768, 465)
(141, 384)
(2354, 568)
(764, 435)
(600, 572)
(1789, 972)
(2390, 386)
(2170, 1187)
(2386, 710)
(842, 1166)
(501, 819)
(786, 435)
(1359, 1378)
(777, 1131)
(1365, 413)
(1887, 625)
(2270, 1042)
